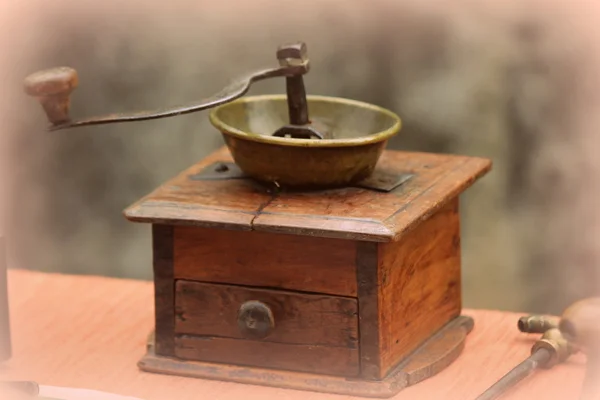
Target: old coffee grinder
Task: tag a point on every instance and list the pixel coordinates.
(303, 254)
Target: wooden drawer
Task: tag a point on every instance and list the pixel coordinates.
(248, 258)
(266, 328)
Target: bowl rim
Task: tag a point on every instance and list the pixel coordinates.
(363, 140)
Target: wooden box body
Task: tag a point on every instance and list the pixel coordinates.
(356, 280)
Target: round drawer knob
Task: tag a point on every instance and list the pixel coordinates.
(255, 320)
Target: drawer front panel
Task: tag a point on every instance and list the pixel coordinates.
(266, 328)
(340, 361)
(248, 258)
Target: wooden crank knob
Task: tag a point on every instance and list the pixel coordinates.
(52, 88)
(255, 320)
(580, 323)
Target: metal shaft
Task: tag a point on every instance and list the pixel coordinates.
(297, 105)
(517, 374)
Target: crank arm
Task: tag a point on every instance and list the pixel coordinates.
(53, 88)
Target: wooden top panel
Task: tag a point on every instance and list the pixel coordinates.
(348, 213)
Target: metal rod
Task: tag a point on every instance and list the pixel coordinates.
(233, 91)
(297, 104)
(517, 374)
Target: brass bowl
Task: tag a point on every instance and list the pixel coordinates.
(359, 132)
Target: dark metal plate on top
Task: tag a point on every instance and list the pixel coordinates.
(383, 181)
(219, 171)
(380, 180)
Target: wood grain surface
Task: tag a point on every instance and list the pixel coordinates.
(337, 361)
(312, 333)
(207, 309)
(90, 332)
(408, 290)
(164, 300)
(289, 262)
(420, 285)
(347, 213)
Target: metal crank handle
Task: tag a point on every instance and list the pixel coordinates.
(53, 88)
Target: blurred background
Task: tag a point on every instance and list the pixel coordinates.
(515, 81)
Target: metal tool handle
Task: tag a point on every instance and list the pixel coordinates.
(516, 375)
(580, 323)
(551, 349)
(53, 88)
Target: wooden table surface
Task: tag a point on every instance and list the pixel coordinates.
(89, 332)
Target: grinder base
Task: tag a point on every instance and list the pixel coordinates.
(357, 290)
(429, 359)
